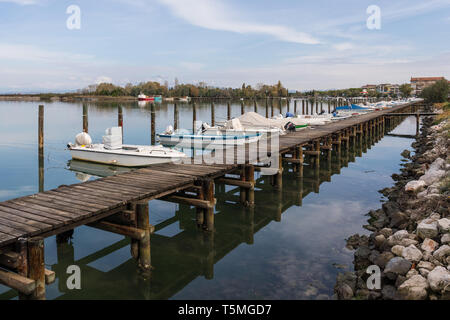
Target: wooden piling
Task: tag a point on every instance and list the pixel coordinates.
(153, 126)
(213, 114)
(242, 107)
(250, 177)
(208, 190)
(36, 267)
(194, 116)
(85, 119)
(120, 119)
(295, 106)
(228, 110)
(142, 218)
(255, 106)
(303, 106)
(175, 116)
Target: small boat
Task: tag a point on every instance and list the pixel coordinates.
(208, 140)
(143, 97)
(113, 152)
(184, 99)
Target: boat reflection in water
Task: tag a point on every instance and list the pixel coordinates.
(85, 170)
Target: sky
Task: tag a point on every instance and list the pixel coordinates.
(305, 44)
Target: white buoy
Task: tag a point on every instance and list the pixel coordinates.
(83, 139)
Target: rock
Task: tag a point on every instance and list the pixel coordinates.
(424, 272)
(445, 238)
(429, 245)
(427, 228)
(444, 225)
(439, 279)
(348, 278)
(397, 237)
(412, 254)
(389, 292)
(344, 292)
(415, 288)
(362, 257)
(441, 253)
(380, 240)
(437, 164)
(426, 265)
(387, 232)
(407, 242)
(434, 216)
(397, 266)
(382, 259)
(398, 219)
(432, 176)
(415, 186)
(411, 273)
(362, 294)
(397, 250)
(399, 281)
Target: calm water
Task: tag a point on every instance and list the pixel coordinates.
(290, 246)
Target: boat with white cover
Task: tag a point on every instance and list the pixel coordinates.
(113, 152)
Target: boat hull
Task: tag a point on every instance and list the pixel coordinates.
(204, 142)
(119, 159)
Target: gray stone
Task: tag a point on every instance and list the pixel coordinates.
(444, 225)
(411, 273)
(424, 272)
(429, 245)
(382, 259)
(426, 265)
(407, 242)
(389, 292)
(397, 266)
(387, 232)
(380, 240)
(412, 254)
(397, 250)
(441, 253)
(427, 228)
(445, 238)
(439, 279)
(344, 292)
(415, 288)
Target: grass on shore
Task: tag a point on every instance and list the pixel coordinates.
(445, 107)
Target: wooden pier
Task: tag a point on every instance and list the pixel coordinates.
(119, 204)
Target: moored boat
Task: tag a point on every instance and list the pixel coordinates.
(113, 152)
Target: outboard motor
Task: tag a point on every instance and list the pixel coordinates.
(289, 126)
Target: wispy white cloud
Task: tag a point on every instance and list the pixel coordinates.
(22, 2)
(214, 15)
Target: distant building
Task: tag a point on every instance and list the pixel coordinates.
(418, 84)
(383, 88)
(368, 88)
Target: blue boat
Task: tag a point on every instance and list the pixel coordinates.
(352, 107)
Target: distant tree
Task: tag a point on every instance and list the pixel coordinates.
(437, 92)
(405, 90)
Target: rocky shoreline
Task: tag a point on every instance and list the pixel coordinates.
(410, 239)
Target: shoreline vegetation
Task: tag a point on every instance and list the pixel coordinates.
(130, 92)
(410, 239)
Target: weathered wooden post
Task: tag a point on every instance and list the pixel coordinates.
(255, 106)
(242, 190)
(41, 147)
(228, 110)
(194, 116)
(271, 107)
(208, 191)
(303, 106)
(321, 106)
(142, 218)
(213, 114)
(36, 267)
(279, 175)
(250, 192)
(85, 119)
(120, 119)
(295, 106)
(175, 116)
(153, 126)
(242, 107)
(267, 108)
(417, 124)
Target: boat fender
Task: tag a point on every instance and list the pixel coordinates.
(83, 139)
(289, 126)
(169, 130)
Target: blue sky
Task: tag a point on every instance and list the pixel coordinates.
(305, 44)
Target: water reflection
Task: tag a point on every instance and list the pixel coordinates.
(286, 247)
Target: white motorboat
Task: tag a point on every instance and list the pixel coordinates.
(112, 152)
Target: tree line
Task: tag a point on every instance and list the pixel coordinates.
(180, 90)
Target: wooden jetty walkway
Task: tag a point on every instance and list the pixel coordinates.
(119, 203)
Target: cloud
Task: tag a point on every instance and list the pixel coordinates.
(31, 53)
(214, 15)
(103, 79)
(21, 2)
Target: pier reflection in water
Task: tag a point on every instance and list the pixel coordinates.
(289, 246)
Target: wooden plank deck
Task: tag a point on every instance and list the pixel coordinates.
(51, 212)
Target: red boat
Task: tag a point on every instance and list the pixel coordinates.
(143, 97)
